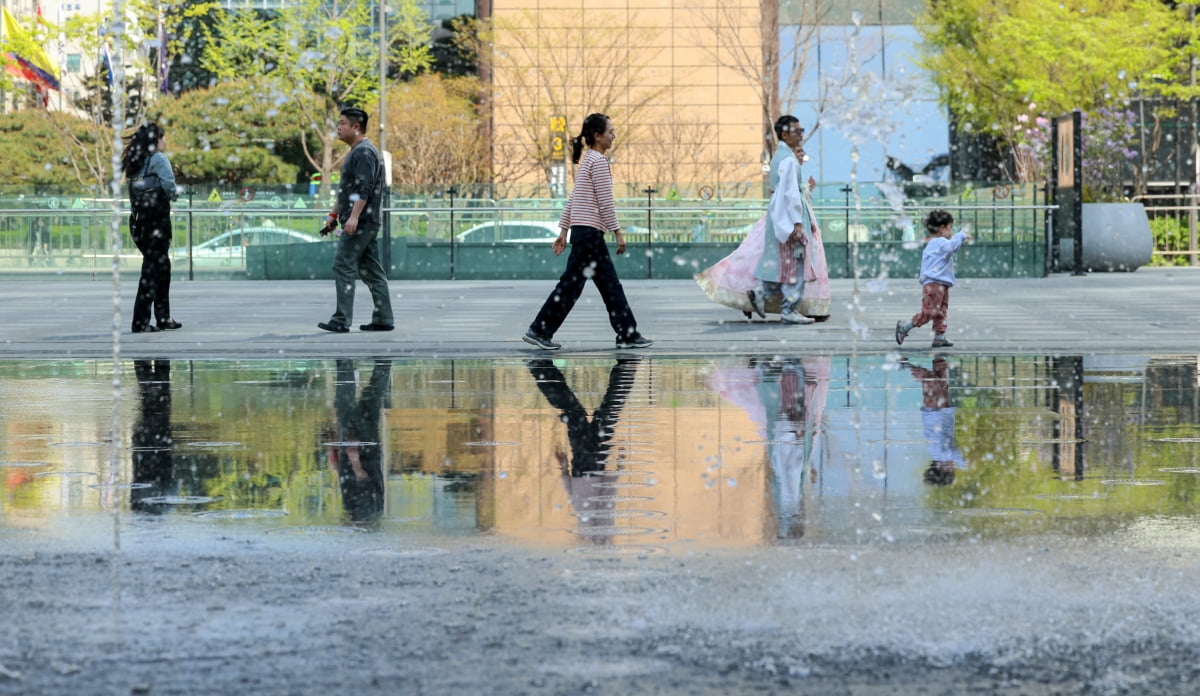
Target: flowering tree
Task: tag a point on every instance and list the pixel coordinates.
(1108, 137)
(994, 59)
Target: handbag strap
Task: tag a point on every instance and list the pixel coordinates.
(146, 166)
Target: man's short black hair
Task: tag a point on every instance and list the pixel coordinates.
(357, 116)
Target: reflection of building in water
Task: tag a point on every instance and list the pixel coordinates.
(476, 445)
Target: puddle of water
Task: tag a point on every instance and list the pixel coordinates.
(607, 456)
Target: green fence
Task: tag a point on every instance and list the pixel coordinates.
(272, 235)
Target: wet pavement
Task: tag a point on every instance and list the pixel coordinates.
(624, 455)
(743, 507)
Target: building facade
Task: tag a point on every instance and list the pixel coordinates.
(679, 79)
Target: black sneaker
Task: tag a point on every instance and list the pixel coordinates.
(939, 342)
(634, 341)
(901, 334)
(540, 341)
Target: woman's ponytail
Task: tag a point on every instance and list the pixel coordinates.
(593, 125)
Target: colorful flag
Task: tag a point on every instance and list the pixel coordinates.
(163, 85)
(27, 60)
(106, 60)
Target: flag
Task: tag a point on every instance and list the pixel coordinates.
(106, 60)
(27, 60)
(163, 85)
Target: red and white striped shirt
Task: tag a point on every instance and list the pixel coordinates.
(591, 203)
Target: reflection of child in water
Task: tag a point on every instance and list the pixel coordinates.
(937, 417)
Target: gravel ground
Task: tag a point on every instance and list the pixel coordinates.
(361, 614)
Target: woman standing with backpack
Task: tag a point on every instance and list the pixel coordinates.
(151, 190)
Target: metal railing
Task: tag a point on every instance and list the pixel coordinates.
(73, 234)
(1173, 222)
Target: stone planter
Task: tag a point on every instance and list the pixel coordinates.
(1116, 237)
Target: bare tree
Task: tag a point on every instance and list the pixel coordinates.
(722, 34)
(434, 130)
(689, 159)
(551, 65)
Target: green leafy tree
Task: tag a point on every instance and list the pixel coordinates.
(321, 56)
(231, 133)
(1000, 62)
(189, 26)
(38, 158)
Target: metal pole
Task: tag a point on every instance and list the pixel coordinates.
(452, 191)
(649, 231)
(191, 214)
(1077, 203)
(386, 198)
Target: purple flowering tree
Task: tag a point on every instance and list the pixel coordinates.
(1109, 155)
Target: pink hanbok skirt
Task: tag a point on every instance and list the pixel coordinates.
(727, 281)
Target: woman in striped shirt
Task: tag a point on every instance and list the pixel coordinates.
(589, 212)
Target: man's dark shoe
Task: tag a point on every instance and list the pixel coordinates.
(169, 325)
(148, 328)
(941, 343)
(376, 327)
(757, 303)
(334, 326)
(540, 341)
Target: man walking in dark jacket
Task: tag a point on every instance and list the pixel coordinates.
(359, 212)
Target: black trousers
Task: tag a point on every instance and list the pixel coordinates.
(589, 259)
(151, 232)
(589, 437)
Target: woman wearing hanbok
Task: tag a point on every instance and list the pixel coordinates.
(732, 280)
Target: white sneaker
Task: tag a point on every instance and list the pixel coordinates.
(796, 318)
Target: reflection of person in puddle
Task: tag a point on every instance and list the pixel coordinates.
(583, 474)
(937, 416)
(357, 457)
(153, 458)
(782, 393)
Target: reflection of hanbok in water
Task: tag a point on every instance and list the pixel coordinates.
(787, 402)
(584, 473)
(727, 281)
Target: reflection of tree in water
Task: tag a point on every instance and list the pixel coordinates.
(357, 457)
(584, 471)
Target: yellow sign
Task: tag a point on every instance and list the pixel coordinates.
(214, 197)
(558, 136)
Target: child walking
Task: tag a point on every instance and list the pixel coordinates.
(937, 277)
